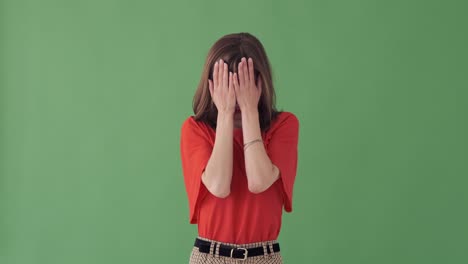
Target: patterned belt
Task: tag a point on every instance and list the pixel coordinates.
(234, 252)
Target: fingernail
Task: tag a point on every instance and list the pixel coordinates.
(250, 59)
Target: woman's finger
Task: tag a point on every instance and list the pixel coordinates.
(241, 74)
(235, 83)
(251, 72)
(245, 72)
(230, 85)
(215, 75)
(225, 76)
(220, 72)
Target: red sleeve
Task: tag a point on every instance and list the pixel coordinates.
(282, 150)
(195, 150)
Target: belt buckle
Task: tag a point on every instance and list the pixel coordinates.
(246, 252)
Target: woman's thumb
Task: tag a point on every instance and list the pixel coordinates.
(210, 87)
(259, 85)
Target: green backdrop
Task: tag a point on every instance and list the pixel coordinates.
(93, 94)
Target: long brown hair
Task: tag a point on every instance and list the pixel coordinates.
(231, 48)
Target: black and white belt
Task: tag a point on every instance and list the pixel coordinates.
(234, 252)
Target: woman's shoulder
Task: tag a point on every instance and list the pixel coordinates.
(284, 118)
(190, 123)
(287, 115)
(284, 123)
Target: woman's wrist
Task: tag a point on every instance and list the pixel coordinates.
(227, 112)
(225, 116)
(249, 112)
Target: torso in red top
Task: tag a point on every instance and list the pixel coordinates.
(243, 216)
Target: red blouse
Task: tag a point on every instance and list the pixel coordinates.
(242, 217)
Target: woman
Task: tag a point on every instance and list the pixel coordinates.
(239, 156)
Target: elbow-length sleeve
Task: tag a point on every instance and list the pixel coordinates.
(195, 151)
(283, 152)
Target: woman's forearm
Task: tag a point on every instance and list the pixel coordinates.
(218, 171)
(261, 172)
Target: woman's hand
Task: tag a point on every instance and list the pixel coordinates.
(247, 93)
(222, 89)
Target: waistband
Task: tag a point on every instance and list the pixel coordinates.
(246, 245)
